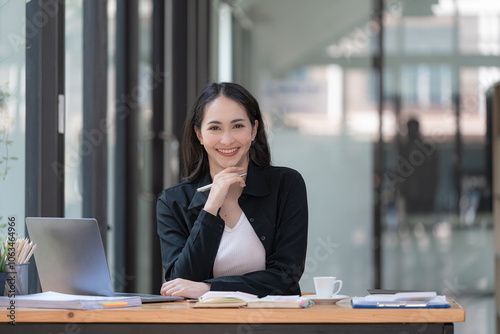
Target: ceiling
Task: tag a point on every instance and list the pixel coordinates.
(286, 34)
(289, 33)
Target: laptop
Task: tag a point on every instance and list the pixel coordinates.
(70, 258)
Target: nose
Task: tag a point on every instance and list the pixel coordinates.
(227, 138)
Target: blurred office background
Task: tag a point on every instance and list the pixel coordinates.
(384, 106)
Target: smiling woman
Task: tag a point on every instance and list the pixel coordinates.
(249, 233)
(226, 134)
(195, 156)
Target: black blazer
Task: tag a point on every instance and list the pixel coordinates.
(274, 201)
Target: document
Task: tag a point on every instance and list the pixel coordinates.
(240, 299)
(66, 301)
(401, 300)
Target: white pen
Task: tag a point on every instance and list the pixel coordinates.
(208, 186)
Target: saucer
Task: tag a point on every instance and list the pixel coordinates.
(322, 300)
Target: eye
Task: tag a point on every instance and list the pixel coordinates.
(213, 128)
(239, 125)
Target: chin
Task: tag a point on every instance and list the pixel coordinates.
(233, 162)
(227, 165)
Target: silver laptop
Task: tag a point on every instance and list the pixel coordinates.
(70, 258)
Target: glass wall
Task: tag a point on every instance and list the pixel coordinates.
(313, 68)
(440, 59)
(313, 81)
(12, 113)
(146, 198)
(73, 200)
(438, 73)
(116, 277)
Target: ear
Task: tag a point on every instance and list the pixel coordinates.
(254, 130)
(198, 134)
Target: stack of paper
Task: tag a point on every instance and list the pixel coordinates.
(241, 299)
(401, 300)
(61, 300)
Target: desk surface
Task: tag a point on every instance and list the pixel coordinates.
(182, 312)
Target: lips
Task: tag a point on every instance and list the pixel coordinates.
(228, 152)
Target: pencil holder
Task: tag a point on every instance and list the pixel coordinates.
(16, 283)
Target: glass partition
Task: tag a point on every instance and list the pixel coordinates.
(440, 143)
(73, 191)
(440, 59)
(311, 67)
(146, 198)
(12, 114)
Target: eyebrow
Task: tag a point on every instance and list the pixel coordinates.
(233, 121)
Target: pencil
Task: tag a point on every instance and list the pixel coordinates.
(26, 259)
(114, 304)
(208, 186)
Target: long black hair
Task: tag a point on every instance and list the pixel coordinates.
(194, 154)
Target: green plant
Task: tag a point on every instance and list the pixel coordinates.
(13, 249)
(3, 250)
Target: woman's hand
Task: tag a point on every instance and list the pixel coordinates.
(220, 188)
(180, 287)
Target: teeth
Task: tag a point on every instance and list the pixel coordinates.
(228, 151)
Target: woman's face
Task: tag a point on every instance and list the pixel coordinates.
(226, 133)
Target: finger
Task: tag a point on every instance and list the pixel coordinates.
(169, 285)
(229, 171)
(171, 291)
(238, 179)
(178, 292)
(228, 179)
(164, 289)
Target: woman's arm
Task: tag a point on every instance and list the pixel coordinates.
(188, 244)
(285, 263)
(189, 253)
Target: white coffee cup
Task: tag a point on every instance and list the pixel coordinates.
(325, 286)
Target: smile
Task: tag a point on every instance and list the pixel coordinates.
(229, 151)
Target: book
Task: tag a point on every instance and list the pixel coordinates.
(224, 299)
(281, 302)
(241, 299)
(52, 299)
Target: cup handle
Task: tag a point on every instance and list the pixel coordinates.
(340, 286)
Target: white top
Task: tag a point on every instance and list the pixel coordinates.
(240, 250)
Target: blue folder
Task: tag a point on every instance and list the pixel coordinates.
(401, 300)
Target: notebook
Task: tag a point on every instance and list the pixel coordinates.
(70, 258)
(223, 299)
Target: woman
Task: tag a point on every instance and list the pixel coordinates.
(249, 231)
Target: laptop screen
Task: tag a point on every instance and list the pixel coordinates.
(70, 256)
